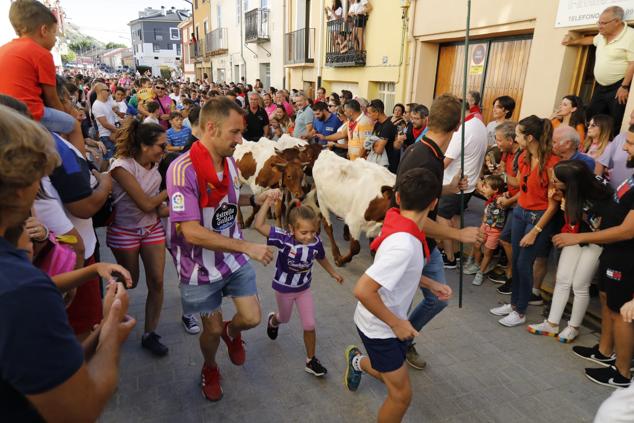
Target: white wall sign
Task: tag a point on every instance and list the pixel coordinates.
(586, 12)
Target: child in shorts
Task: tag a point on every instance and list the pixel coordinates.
(493, 221)
(298, 247)
(385, 292)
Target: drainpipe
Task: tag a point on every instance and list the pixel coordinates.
(284, 30)
(412, 54)
(320, 41)
(242, 43)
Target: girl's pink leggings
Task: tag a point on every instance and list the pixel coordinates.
(305, 307)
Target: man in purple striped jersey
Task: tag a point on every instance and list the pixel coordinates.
(211, 257)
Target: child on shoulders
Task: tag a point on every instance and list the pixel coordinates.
(298, 248)
(385, 292)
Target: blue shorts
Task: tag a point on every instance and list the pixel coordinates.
(386, 355)
(57, 121)
(208, 298)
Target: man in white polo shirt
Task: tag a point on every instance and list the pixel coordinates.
(613, 65)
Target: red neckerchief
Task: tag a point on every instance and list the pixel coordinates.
(395, 223)
(475, 109)
(416, 132)
(568, 227)
(470, 116)
(211, 189)
(492, 199)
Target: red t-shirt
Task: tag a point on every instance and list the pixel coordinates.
(508, 159)
(26, 66)
(534, 184)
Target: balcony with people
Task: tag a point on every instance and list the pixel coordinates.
(299, 47)
(345, 46)
(216, 42)
(256, 28)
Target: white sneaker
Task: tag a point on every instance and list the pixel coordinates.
(477, 281)
(543, 328)
(568, 335)
(470, 268)
(513, 319)
(502, 310)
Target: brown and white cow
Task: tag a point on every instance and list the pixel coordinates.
(263, 165)
(358, 191)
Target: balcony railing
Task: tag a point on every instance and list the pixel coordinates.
(256, 28)
(216, 42)
(193, 51)
(299, 46)
(342, 47)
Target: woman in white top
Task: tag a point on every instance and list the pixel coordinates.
(335, 11)
(136, 229)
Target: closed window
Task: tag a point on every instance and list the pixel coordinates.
(387, 93)
(157, 47)
(175, 34)
(157, 35)
(178, 49)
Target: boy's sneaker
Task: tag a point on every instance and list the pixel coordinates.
(593, 354)
(608, 376)
(271, 330)
(477, 280)
(502, 310)
(449, 264)
(543, 328)
(352, 377)
(568, 335)
(210, 379)
(535, 300)
(150, 341)
(499, 278)
(513, 319)
(413, 359)
(470, 268)
(190, 324)
(235, 346)
(315, 367)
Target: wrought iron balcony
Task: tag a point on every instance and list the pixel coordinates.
(299, 46)
(342, 47)
(256, 28)
(216, 42)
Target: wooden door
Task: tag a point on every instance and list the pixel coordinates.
(503, 74)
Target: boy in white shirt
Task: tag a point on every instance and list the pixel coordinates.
(385, 292)
(154, 112)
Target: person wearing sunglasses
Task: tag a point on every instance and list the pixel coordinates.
(614, 64)
(533, 223)
(166, 104)
(138, 204)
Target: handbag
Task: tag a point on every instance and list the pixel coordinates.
(56, 256)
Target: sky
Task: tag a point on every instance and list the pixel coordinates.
(107, 20)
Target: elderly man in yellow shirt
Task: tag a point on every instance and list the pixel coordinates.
(613, 66)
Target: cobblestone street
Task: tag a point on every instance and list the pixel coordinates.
(478, 370)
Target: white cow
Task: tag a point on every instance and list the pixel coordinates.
(358, 191)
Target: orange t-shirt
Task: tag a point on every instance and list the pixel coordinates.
(26, 66)
(534, 184)
(580, 128)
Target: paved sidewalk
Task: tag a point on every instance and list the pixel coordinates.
(478, 371)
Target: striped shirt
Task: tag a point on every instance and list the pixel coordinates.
(178, 138)
(294, 260)
(196, 265)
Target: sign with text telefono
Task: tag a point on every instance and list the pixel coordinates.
(586, 12)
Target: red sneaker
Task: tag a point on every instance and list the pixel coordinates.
(235, 346)
(211, 383)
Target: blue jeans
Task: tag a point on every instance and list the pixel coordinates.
(110, 147)
(431, 305)
(524, 257)
(57, 121)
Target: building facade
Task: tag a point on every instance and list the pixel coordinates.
(239, 40)
(515, 50)
(156, 38)
(187, 47)
(324, 50)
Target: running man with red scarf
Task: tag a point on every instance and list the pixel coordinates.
(211, 257)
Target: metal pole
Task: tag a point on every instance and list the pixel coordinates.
(462, 135)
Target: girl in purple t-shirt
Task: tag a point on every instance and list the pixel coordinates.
(298, 248)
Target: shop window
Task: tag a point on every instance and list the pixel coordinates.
(496, 67)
